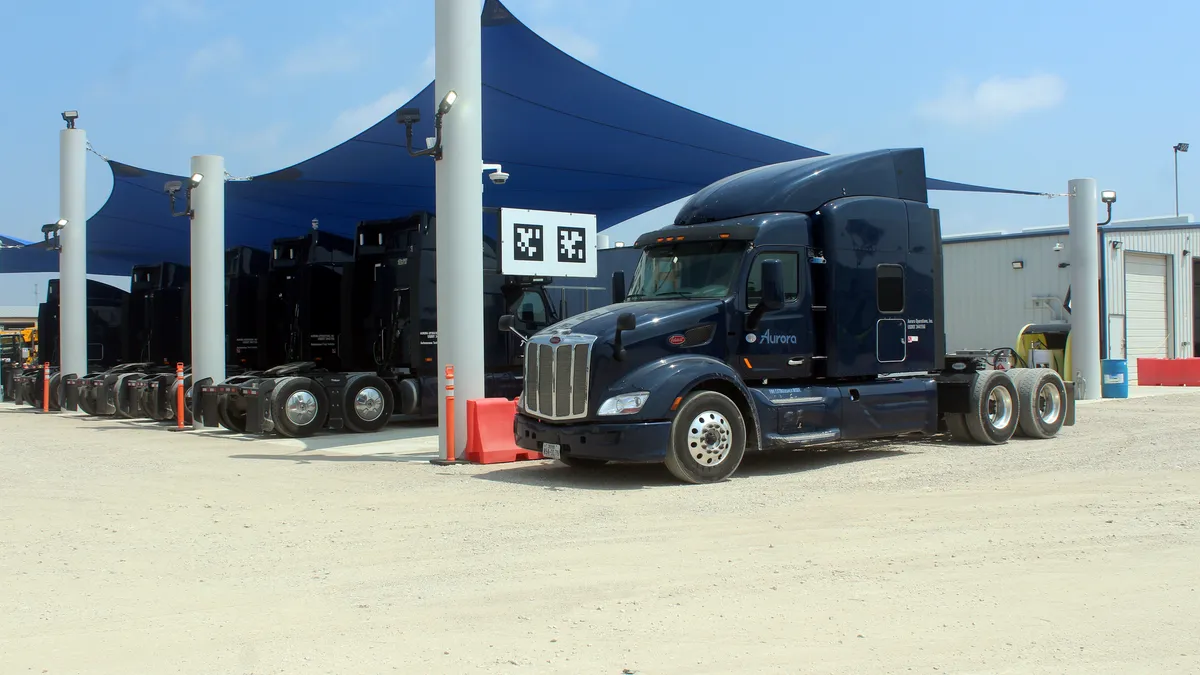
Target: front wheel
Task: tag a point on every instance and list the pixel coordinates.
(708, 438)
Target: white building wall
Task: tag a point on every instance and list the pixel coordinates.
(1171, 243)
(988, 302)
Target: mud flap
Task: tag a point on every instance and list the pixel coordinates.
(70, 395)
(1069, 413)
(258, 399)
(204, 406)
(135, 390)
(334, 386)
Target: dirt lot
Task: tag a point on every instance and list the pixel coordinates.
(136, 550)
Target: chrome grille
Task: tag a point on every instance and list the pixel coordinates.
(557, 376)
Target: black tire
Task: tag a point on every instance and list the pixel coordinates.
(309, 420)
(956, 424)
(121, 402)
(86, 403)
(1042, 402)
(367, 403)
(583, 462)
(230, 416)
(992, 419)
(709, 418)
(56, 398)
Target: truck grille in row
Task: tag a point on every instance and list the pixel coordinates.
(556, 376)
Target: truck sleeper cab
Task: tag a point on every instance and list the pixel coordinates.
(791, 305)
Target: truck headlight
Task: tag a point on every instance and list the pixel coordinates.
(625, 404)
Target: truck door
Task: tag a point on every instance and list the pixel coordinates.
(781, 346)
(891, 332)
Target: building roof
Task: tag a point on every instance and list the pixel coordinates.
(1183, 222)
(572, 138)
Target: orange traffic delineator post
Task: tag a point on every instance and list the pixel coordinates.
(490, 438)
(179, 394)
(46, 387)
(449, 422)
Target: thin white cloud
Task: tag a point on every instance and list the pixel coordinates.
(995, 100)
(327, 56)
(224, 53)
(360, 118)
(356, 120)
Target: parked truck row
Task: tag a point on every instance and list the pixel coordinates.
(322, 332)
(789, 306)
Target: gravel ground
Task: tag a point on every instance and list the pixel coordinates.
(135, 550)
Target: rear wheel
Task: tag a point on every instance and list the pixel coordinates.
(367, 403)
(708, 438)
(992, 419)
(1042, 402)
(299, 407)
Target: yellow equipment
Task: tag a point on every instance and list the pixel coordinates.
(1046, 345)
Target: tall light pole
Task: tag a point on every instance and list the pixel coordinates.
(1178, 148)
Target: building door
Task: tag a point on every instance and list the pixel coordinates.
(1147, 319)
(1116, 336)
(1196, 307)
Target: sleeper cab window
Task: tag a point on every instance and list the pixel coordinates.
(889, 288)
(791, 276)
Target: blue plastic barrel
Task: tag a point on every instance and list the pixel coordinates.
(1114, 378)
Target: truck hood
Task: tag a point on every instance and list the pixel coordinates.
(654, 318)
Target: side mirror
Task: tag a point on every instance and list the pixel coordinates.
(618, 287)
(507, 323)
(772, 285)
(625, 321)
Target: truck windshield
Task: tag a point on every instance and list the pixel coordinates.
(701, 269)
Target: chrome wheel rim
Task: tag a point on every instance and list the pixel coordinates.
(710, 438)
(368, 404)
(1000, 408)
(301, 408)
(1049, 403)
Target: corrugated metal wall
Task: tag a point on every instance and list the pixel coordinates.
(1171, 243)
(988, 302)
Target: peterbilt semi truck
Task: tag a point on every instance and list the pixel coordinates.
(791, 305)
(364, 345)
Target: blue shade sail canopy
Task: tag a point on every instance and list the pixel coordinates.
(572, 139)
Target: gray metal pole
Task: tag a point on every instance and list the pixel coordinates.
(72, 259)
(459, 203)
(1085, 291)
(208, 271)
(1176, 151)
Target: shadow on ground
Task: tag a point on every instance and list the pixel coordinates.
(557, 476)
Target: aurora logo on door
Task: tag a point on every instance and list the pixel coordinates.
(769, 339)
(677, 340)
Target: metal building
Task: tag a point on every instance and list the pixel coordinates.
(998, 282)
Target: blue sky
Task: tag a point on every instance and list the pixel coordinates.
(1021, 94)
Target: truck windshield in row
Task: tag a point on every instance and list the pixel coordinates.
(700, 269)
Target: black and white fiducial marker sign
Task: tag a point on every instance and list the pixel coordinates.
(547, 243)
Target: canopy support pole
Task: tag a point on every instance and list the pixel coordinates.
(1085, 290)
(72, 259)
(208, 273)
(459, 174)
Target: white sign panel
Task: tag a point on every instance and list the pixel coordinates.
(547, 243)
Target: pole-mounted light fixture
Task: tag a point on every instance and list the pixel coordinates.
(1178, 148)
(50, 237)
(1109, 197)
(69, 117)
(410, 116)
(172, 187)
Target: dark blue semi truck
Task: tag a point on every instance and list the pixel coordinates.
(788, 306)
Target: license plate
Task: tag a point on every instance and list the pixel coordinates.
(551, 450)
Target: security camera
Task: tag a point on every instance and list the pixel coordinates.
(499, 178)
(408, 116)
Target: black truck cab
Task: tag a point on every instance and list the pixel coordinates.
(790, 305)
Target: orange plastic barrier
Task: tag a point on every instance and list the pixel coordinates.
(1168, 372)
(490, 437)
